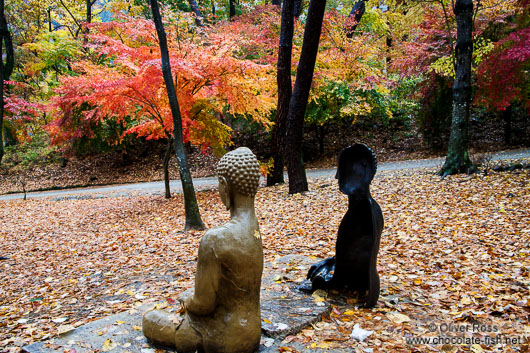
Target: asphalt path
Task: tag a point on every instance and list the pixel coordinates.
(157, 187)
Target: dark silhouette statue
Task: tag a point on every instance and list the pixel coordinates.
(354, 266)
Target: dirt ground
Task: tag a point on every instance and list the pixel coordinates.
(454, 253)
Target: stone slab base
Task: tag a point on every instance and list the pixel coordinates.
(284, 311)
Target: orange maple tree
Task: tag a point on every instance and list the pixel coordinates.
(122, 81)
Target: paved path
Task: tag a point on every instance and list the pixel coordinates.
(157, 187)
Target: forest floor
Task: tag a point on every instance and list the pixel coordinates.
(454, 260)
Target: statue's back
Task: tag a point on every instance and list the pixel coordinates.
(238, 249)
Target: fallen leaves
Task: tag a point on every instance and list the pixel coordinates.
(448, 255)
(108, 345)
(397, 318)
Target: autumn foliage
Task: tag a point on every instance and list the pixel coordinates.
(503, 84)
(122, 81)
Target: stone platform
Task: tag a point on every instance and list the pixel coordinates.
(284, 311)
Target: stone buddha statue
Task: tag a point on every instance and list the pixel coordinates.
(223, 314)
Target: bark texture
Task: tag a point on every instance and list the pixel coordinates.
(297, 8)
(354, 17)
(507, 117)
(284, 82)
(167, 157)
(298, 102)
(5, 69)
(193, 217)
(232, 5)
(457, 160)
(2, 85)
(89, 4)
(197, 12)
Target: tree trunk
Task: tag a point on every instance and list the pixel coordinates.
(276, 2)
(283, 80)
(300, 96)
(354, 17)
(457, 160)
(193, 217)
(50, 29)
(321, 133)
(196, 12)
(5, 69)
(89, 4)
(167, 156)
(507, 117)
(89, 11)
(232, 5)
(297, 8)
(1, 83)
(388, 50)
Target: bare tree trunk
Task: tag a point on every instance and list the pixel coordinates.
(297, 8)
(507, 117)
(300, 96)
(2, 84)
(232, 6)
(89, 4)
(50, 29)
(167, 157)
(5, 69)
(457, 160)
(354, 17)
(321, 134)
(196, 12)
(193, 217)
(283, 79)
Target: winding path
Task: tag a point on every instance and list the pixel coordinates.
(157, 187)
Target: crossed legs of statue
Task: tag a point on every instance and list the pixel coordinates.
(161, 330)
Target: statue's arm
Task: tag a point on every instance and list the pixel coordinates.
(203, 301)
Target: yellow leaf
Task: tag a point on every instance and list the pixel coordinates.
(397, 317)
(349, 312)
(108, 345)
(319, 293)
(476, 348)
(465, 301)
(65, 328)
(267, 321)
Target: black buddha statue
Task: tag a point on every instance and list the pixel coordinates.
(354, 266)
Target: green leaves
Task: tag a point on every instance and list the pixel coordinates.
(54, 51)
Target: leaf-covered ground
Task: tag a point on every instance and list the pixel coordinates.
(454, 253)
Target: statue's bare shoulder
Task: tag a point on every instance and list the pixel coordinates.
(217, 237)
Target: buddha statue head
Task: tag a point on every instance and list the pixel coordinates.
(238, 173)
